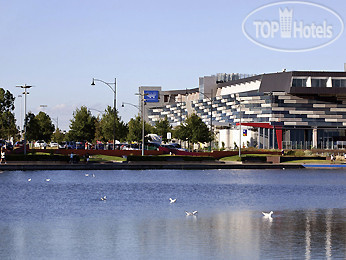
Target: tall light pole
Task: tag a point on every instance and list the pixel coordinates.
(25, 87)
(21, 115)
(142, 95)
(211, 117)
(240, 133)
(115, 101)
(139, 109)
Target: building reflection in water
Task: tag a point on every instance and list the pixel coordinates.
(298, 234)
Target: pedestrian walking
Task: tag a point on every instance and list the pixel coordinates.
(332, 158)
(3, 155)
(71, 158)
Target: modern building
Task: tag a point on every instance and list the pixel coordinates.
(296, 109)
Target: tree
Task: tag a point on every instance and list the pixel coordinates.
(162, 127)
(39, 127)
(180, 132)
(108, 123)
(46, 126)
(193, 130)
(135, 129)
(58, 136)
(82, 125)
(7, 119)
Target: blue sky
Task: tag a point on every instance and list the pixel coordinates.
(59, 46)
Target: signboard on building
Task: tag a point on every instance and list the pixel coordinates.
(151, 95)
(244, 132)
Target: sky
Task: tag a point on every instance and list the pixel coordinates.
(58, 46)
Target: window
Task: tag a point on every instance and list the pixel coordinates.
(318, 83)
(299, 83)
(339, 83)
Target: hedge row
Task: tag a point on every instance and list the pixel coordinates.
(36, 157)
(169, 158)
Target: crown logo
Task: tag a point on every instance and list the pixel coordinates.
(285, 22)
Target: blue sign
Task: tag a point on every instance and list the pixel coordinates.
(244, 132)
(151, 95)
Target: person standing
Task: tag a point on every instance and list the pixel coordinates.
(3, 155)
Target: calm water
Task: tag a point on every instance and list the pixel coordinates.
(65, 218)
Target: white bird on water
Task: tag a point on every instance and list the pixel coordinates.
(29, 179)
(47, 179)
(172, 200)
(104, 198)
(194, 213)
(267, 215)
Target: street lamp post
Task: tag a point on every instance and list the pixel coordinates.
(142, 95)
(21, 115)
(25, 87)
(239, 128)
(240, 133)
(115, 102)
(123, 104)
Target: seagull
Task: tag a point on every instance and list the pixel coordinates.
(172, 200)
(194, 213)
(267, 215)
(87, 175)
(93, 175)
(104, 198)
(47, 179)
(29, 179)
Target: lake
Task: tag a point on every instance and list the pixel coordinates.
(65, 218)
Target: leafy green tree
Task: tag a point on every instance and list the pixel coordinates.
(7, 119)
(162, 127)
(39, 127)
(58, 136)
(46, 126)
(82, 125)
(180, 132)
(32, 127)
(135, 129)
(108, 123)
(98, 130)
(193, 130)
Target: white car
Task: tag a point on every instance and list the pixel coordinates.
(53, 144)
(40, 144)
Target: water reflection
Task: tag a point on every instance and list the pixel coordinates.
(65, 219)
(314, 234)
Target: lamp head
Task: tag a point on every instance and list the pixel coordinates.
(93, 82)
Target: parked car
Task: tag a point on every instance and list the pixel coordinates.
(71, 145)
(9, 146)
(80, 146)
(19, 144)
(40, 144)
(53, 144)
(63, 145)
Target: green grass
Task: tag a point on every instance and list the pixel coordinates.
(105, 158)
(234, 158)
(309, 161)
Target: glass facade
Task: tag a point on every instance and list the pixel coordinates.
(318, 83)
(339, 83)
(299, 83)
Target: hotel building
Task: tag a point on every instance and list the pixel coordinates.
(295, 109)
